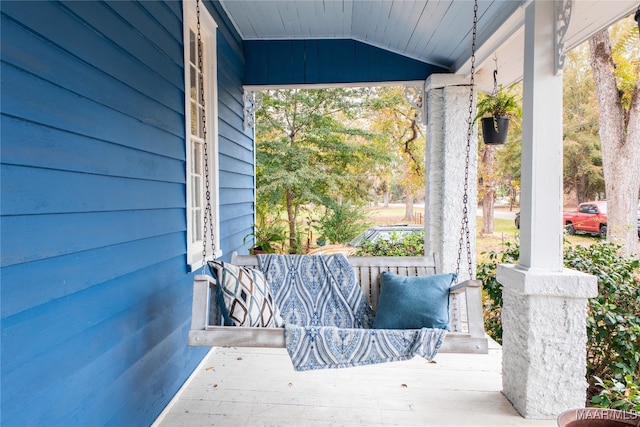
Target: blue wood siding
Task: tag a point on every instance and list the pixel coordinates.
(95, 292)
(277, 62)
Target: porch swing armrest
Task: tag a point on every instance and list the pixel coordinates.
(250, 261)
(202, 284)
(462, 286)
(473, 295)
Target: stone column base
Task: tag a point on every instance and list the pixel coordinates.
(544, 339)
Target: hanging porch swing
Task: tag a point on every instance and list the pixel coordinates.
(330, 311)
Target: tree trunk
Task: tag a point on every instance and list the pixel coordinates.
(487, 212)
(581, 191)
(620, 141)
(291, 217)
(408, 206)
(488, 157)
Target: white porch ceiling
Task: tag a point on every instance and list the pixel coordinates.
(433, 31)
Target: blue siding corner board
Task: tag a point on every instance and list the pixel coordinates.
(278, 62)
(95, 290)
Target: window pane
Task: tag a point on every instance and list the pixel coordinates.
(196, 156)
(200, 91)
(192, 47)
(194, 119)
(202, 46)
(199, 231)
(192, 79)
(200, 125)
(196, 191)
(197, 226)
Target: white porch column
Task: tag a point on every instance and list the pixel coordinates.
(545, 306)
(447, 111)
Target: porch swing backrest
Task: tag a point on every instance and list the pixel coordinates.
(367, 270)
(466, 326)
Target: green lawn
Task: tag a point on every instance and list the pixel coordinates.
(506, 231)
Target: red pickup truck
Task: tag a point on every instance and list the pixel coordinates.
(589, 217)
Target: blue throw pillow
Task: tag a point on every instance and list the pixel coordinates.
(413, 302)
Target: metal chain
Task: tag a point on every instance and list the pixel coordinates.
(208, 213)
(464, 227)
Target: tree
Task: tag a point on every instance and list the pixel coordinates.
(309, 150)
(583, 166)
(487, 183)
(412, 149)
(580, 107)
(617, 83)
(583, 176)
(509, 165)
(398, 130)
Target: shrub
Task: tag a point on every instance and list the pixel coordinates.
(616, 394)
(492, 290)
(613, 324)
(342, 222)
(269, 234)
(411, 244)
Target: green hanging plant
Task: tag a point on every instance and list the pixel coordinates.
(496, 111)
(501, 104)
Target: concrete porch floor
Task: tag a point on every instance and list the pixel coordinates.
(258, 387)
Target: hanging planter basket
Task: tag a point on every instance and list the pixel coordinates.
(495, 129)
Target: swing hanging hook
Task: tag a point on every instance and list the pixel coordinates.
(495, 76)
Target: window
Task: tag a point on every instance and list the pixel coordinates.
(200, 95)
(586, 209)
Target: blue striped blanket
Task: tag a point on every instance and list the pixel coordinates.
(328, 320)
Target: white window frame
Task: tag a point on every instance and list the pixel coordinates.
(208, 34)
